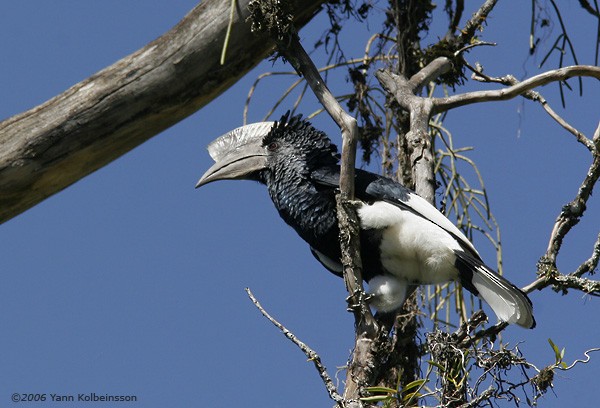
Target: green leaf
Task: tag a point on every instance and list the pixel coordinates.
(414, 384)
(376, 398)
(438, 365)
(558, 355)
(409, 397)
(381, 389)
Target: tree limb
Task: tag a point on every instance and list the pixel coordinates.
(420, 110)
(51, 146)
(561, 74)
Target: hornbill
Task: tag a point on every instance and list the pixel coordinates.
(404, 240)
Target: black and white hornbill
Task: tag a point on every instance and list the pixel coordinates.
(404, 240)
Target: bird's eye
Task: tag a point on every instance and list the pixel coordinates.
(273, 146)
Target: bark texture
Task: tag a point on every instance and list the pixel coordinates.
(51, 146)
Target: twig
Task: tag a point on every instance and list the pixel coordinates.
(469, 326)
(588, 7)
(539, 283)
(455, 17)
(295, 84)
(490, 332)
(570, 214)
(536, 97)
(551, 276)
(587, 359)
(475, 22)
(310, 353)
(473, 45)
(589, 286)
(591, 264)
(484, 396)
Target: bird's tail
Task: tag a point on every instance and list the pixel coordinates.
(510, 303)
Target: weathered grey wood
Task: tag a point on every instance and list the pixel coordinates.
(53, 145)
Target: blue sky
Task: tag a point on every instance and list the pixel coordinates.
(132, 282)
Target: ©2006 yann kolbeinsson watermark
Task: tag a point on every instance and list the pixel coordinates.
(78, 397)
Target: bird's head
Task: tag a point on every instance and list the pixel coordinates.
(269, 151)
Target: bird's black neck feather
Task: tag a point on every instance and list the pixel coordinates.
(305, 207)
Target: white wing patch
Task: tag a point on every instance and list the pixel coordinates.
(412, 248)
(428, 211)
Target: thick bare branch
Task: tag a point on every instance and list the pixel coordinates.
(420, 110)
(51, 146)
(430, 72)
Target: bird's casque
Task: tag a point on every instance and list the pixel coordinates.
(404, 240)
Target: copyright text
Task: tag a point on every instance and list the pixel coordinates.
(79, 397)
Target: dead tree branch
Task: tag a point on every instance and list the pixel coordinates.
(561, 74)
(51, 146)
(420, 110)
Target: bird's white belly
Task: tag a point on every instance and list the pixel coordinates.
(412, 248)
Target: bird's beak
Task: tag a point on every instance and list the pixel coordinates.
(234, 167)
(237, 154)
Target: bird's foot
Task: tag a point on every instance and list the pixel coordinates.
(358, 301)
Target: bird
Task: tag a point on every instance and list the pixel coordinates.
(405, 241)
